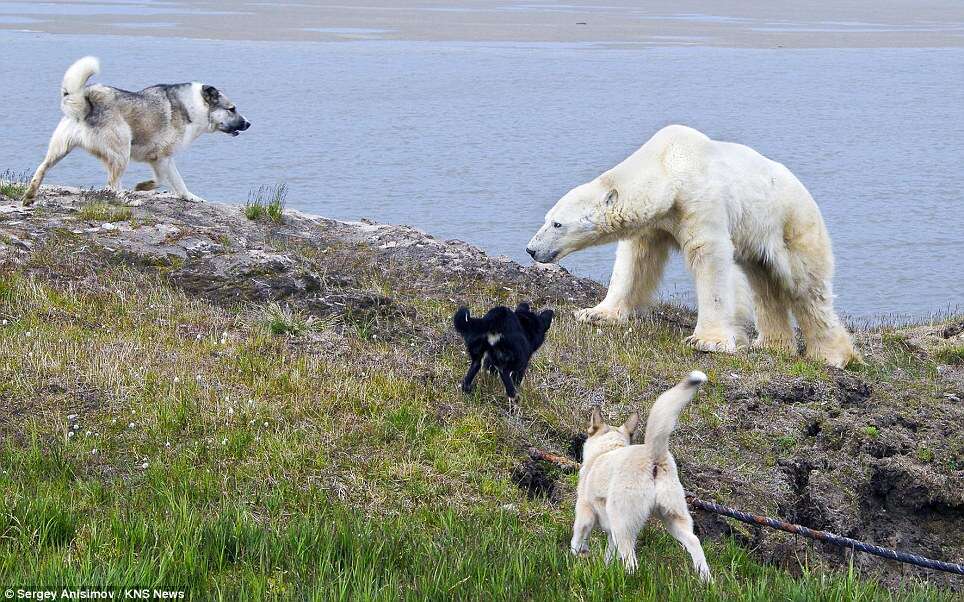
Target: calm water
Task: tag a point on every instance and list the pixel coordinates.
(476, 141)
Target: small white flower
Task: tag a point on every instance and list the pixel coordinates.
(27, 333)
(224, 441)
(94, 452)
(88, 434)
(167, 444)
(266, 423)
(145, 465)
(130, 426)
(231, 411)
(198, 337)
(30, 354)
(176, 380)
(72, 417)
(4, 322)
(76, 426)
(70, 434)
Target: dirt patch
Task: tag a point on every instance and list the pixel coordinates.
(537, 479)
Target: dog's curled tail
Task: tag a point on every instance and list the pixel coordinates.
(662, 418)
(73, 103)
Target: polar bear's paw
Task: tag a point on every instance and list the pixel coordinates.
(614, 315)
(724, 343)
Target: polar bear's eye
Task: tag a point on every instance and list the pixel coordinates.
(556, 225)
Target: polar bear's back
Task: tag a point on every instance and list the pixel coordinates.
(752, 186)
(758, 200)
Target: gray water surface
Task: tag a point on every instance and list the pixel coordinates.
(477, 140)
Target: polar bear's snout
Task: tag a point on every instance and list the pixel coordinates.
(541, 248)
(542, 257)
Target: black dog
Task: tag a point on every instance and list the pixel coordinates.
(504, 340)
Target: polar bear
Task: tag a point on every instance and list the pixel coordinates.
(735, 215)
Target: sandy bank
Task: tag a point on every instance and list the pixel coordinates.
(753, 24)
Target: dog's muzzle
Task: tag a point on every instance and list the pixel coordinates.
(237, 129)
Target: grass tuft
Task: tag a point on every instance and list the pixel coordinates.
(951, 355)
(280, 321)
(267, 201)
(13, 185)
(104, 211)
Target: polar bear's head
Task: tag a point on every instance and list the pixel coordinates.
(582, 218)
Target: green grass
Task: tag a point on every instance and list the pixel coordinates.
(267, 201)
(104, 211)
(170, 525)
(950, 355)
(259, 454)
(13, 185)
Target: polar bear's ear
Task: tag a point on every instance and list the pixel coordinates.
(612, 197)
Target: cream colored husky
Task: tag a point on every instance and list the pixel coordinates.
(621, 484)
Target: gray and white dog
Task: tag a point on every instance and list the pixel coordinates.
(149, 126)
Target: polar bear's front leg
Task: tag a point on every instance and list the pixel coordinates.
(711, 263)
(636, 273)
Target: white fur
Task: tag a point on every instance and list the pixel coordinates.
(737, 217)
(73, 103)
(621, 485)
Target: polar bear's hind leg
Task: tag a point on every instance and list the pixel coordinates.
(636, 274)
(811, 293)
(824, 334)
(775, 330)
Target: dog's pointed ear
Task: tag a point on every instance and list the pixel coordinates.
(522, 307)
(461, 319)
(611, 197)
(210, 95)
(632, 423)
(595, 422)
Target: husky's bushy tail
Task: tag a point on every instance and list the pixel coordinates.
(73, 102)
(662, 418)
